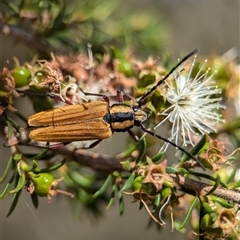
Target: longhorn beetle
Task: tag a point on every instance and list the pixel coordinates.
(96, 120)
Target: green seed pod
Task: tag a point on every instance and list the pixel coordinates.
(21, 76)
(42, 183)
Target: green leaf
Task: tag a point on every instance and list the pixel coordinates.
(80, 179)
(41, 155)
(197, 174)
(170, 170)
(140, 205)
(59, 23)
(234, 185)
(195, 149)
(8, 185)
(146, 80)
(129, 182)
(13, 7)
(156, 202)
(231, 176)
(126, 165)
(31, 168)
(221, 201)
(14, 202)
(5, 191)
(217, 183)
(19, 115)
(8, 167)
(189, 213)
(34, 199)
(112, 193)
(207, 208)
(142, 151)
(48, 156)
(104, 187)
(121, 200)
(50, 169)
(132, 147)
(157, 102)
(9, 130)
(17, 157)
(20, 185)
(157, 157)
(13, 123)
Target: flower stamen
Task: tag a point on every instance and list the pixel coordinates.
(194, 105)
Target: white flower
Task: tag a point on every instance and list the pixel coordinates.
(194, 109)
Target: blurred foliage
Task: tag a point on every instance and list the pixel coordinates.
(60, 26)
(59, 32)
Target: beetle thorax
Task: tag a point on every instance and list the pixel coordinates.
(120, 117)
(140, 115)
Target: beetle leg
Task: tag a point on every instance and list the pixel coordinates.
(59, 145)
(47, 146)
(121, 93)
(133, 136)
(58, 98)
(105, 97)
(94, 144)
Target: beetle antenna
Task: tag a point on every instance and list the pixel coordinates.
(173, 144)
(140, 101)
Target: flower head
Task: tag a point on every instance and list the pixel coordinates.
(157, 174)
(193, 103)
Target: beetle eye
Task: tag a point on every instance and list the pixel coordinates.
(135, 108)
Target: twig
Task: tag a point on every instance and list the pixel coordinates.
(203, 188)
(107, 164)
(98, 162)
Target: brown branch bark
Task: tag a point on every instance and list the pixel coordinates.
(203, 188)
(98, 162)
(107, 164)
